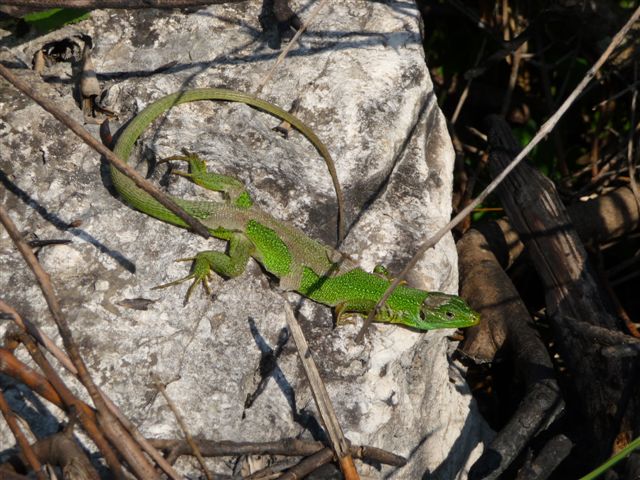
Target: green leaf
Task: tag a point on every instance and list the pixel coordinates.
(54, 18)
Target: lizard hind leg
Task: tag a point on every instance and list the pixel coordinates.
(231, 187)
(205, 263)
(383, 272)
(345, 311)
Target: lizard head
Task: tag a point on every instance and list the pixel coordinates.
(439, 310)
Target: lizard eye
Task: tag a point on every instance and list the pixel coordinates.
(449, 314)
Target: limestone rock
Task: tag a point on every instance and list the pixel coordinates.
(361, 81)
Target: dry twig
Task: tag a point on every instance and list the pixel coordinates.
(70, 403)
(128, 4)
(114, 161)
(114, 430)
(308, 465)
(287, 447)
(41, 385)
(183, 426)
(20, 437)
(321, 398)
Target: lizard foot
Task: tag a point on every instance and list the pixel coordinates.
(382, 271)
(346, 311)
(200, 274)
(232, 188)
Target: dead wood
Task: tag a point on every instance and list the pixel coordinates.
(606, 217)
(175, 448)
(484, 253)
(8, 475)
(109, 425)
(550, 456)
(26, 332)
(511, 333)
(572, 294)
(210, 448)
(59, 450)
(11, 366)
(601, 219)
(26, 451)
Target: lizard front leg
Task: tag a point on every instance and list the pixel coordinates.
(233, 188)
(227, 265)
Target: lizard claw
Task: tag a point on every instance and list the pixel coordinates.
(200, 275)
(382, 272)
(185, 157)
(343, 315)
(195, 163)
(233, 190)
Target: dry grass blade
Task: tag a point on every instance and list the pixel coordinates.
(322, 399)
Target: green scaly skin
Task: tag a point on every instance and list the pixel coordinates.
(301, 263)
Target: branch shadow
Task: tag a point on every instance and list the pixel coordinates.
(62, 225)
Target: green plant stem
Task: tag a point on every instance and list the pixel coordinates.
(626, 451)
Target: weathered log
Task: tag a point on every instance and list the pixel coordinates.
(511, 332)
(572, 294)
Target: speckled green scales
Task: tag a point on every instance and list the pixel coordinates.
(301, 263)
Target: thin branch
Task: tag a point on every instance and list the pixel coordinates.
(285, 447)
(321, 397)
(113, 160)
(112, 428)
(61, 450)
(183, 426)
(62, 357)
(290, 45)
(40, 336)
(542, 133)
(128, 4)
(27, 451)
(175, 448)
(308, 465)
(142, 441)
(85, 414)
(14, 368)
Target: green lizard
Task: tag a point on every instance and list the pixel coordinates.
(299, 262)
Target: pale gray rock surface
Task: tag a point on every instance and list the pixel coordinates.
(360, 77)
